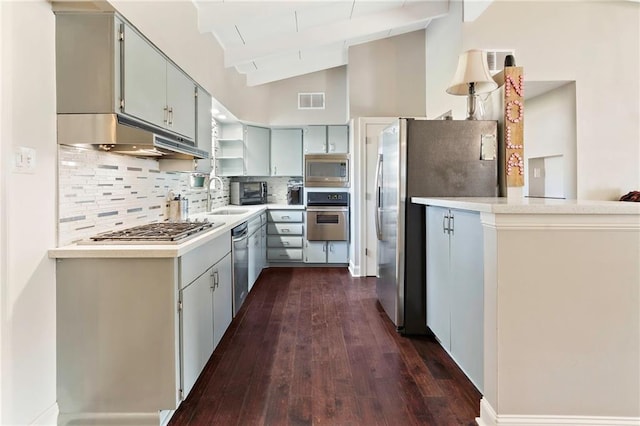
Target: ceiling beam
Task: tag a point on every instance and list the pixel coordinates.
(337, 31)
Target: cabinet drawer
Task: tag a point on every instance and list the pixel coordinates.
(285, 216)
(283, 241)
(284, 255)
(197, 261)
(284, 229)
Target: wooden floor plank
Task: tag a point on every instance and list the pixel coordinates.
(312, 346)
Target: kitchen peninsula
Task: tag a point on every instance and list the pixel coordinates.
(560, 309)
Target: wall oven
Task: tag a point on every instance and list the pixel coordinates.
(327, 216)
(326, 170)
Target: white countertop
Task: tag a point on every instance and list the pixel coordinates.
(168, 250)
(501, 205)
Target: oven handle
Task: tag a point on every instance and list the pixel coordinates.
(327, 209)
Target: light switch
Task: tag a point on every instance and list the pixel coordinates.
(24, 160)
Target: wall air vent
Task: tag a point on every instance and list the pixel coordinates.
(311, 100)
(495, 59)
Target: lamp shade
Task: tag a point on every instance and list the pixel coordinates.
(472, 68)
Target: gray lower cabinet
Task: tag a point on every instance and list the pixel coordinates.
(134, 333)
(285, 230)
(326, 251)
(455, 286)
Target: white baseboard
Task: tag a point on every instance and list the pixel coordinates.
(354, 270)
(488, 417)
(48, 418)
(112, 419)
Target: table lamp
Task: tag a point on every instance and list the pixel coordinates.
(471, 78)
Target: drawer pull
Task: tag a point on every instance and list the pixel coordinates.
(286, 230)
(286, 217)
(285, 243)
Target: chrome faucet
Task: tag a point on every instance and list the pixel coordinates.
(212, 180)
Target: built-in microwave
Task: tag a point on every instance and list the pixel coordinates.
(242, 193)
(330, 170)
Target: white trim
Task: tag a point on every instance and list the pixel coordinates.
(359, 203)
(488, 417)
(48, 417)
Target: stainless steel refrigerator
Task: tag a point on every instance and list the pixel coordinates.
(423, 158)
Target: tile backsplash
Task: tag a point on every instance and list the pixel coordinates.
(100, 191)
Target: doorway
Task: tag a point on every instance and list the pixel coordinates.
(370, 129)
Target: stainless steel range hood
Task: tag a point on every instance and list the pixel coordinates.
(119, 134)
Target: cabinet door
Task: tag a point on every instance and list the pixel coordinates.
(254, 253)
(145, 76)
(315, 252)
(337, 252)
(181, 100)
(338, 139)
(438, 276)
(263, 246)
(222, 299)
(315, 140)
(467, 295)
(286, 152)
(204, 129)
(256, 153)
(196, 325)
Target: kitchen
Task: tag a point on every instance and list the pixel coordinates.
(27, 273)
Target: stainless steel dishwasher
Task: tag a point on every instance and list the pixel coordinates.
(240, 256)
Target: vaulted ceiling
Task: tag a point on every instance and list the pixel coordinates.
(274, 40)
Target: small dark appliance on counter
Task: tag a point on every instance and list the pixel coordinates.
(294, 193)
(243, 193)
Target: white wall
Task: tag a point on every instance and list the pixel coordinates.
(548, 136)
(283, 98)
(561, 41)
(27, 215)
(386, 78)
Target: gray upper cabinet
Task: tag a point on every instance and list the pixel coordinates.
(315, 139)
(286, 152)
(326, 139)
(105, 66)
(145, 76)
(155, 90)
(337, 139)
(204, 128)
(181, 102)
(256, 151)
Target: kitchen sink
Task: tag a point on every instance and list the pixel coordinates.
(228, 211)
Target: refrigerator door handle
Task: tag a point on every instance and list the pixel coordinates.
(378, 196)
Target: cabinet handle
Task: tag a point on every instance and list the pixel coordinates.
(285, 243)
(166, 115)
(324, 248)
(275, 170)
(445, 228)
(286, 230)
(216, 278)
(171, 117)
(451, 224)
(331, 248)
(213, 280)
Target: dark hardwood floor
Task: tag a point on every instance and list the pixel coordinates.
(312, 346)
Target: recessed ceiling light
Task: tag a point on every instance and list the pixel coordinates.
(222, 116)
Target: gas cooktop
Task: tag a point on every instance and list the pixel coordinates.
(153, 233)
